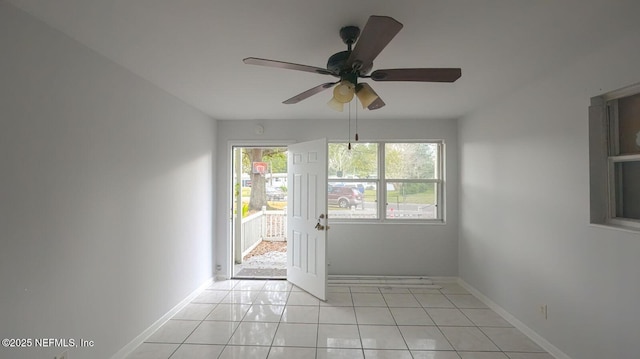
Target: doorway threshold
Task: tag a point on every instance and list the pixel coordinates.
(259, 273)
(268, 260)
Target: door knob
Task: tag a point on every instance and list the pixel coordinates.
(320, 226)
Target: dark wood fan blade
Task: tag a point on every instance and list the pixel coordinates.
(421, 75)
(310, 92)
(287, 65)
(376, 35)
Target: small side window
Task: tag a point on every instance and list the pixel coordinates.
(624, 157)
(614, 131)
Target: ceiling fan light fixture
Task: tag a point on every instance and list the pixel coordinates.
(344, 92)
(353, 64)
(336, 105)
(365, 94)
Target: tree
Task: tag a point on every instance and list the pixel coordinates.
(363, 159)
(410, 160)
(357, 161)
(394, 163)
(258, 197)
(339, 159)
(278, 161)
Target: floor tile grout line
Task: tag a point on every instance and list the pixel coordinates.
(236, 328)
(422, 307)
(188, 335)
(278, 326)
(357, 325)
(440, 330)
(397, 326)
(475, 325)
(317, 331)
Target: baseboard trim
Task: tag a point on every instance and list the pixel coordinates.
(444, 280)
(543, 343)
(379, 280)
(129, 348)
(394, 277)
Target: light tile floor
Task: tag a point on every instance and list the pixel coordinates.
(260, 319)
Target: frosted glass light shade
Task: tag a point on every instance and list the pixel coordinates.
(365, 94)
(344, 92)
(335, 104)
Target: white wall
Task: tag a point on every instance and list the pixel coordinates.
(105, 194)
(525, 238)
(371, 249)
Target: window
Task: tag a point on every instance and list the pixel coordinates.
(615, 158)
(386, 181)
(624, 156)
(411, 173)
(353, 181)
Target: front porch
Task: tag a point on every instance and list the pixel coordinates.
(260, 249)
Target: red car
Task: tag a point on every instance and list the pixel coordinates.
(345, 197)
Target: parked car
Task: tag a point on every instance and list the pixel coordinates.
(345, 197)
(275, 194)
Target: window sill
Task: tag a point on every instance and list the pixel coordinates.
(437, 222)
(618, 227)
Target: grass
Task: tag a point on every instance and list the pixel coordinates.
(426, 197)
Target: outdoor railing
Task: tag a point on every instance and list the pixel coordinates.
(274, 225)
(251, 232)
(263, 225)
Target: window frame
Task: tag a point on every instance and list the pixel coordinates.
(604, 155)
(614, 203)
(381, 183)
(358, 180)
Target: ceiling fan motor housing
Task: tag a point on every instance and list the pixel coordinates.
(349, 35)
(336, 62)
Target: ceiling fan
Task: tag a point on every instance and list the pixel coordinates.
(356, 62)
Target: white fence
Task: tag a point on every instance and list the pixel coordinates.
(263, 225)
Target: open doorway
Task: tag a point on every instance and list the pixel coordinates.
(259, 222)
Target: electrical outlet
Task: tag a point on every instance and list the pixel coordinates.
(543, 311)
(64, 355)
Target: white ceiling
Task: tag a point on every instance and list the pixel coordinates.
(193, 49)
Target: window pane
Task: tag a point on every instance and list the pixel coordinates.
(407, 200)
(352, 200)
(629, 124)
(628, 189)
(361, 162)
(411, 160)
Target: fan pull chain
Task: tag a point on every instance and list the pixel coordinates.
(349, 146)
(356, 120)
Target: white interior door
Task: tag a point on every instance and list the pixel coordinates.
(307, 217)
